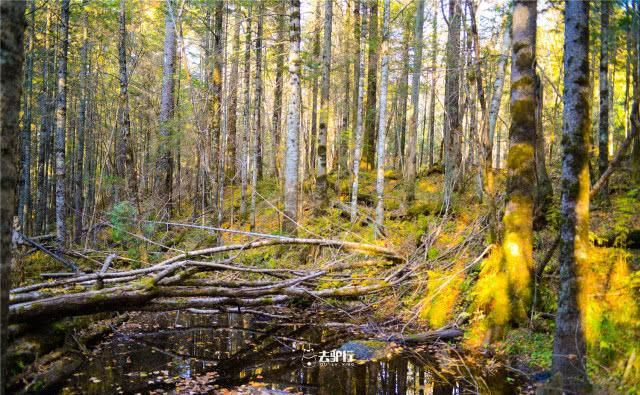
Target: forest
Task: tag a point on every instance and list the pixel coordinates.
(320, 196)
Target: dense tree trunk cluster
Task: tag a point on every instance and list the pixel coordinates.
(117, 115)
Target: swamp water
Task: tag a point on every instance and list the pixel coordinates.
(186, 353)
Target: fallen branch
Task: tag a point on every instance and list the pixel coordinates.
(47, 251)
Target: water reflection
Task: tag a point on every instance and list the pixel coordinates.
(156, 352)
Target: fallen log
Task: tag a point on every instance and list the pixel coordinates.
(47, 251)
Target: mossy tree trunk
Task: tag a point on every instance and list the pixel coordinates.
(569, 349)
(11, 58)
(518, 217)
(452, 132)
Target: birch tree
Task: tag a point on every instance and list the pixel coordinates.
(357, 147)
(381, 146)
(61, 131)
(321, 166)
(246, 114)
(257, 115)
(293, 122)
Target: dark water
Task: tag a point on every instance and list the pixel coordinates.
(196, 353)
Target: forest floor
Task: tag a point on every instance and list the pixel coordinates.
(450, 251)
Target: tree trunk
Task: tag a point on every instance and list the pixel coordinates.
(215, 130)
(124, 149)
(277, 93)
(45, 132)
(432, 102)
(544, 189)
(321, 166)
(416, 71)
(384, 77)
(11, 58)
(518, 217)
(232, 116)
(372, 80)
(635, 71)
(452, 132)
(357, 147)
(494, 108)
(403, 93)
(244, 149)
(342, 138)
(293, 122)
(61, 132)
(311, 158)
(603, 132)
(164, 165)
(257, 114)
(78, 195)
(569, 349)
(24, 203)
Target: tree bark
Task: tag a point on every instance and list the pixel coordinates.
(277, 92)
(164, 165)
(321, 156)
(11, 58)
(498, 84)
(369, 145)
(257, 116)
(24, 203)
(603, 126)
(569, 349)
(293, 122)
(232, 115)
(452, 132)
(432, 101)
(416, 71)
(521, 181)
(61, 131)
(244, 149)
(384, 77)
(78, 195)
(357, 147)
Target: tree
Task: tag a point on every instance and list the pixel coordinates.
(24, 203)
(257, 116)
(232, 117)
(321, 166)
(498, 84)
(518, 216)
(215, 131)
(357, 147)
(569, 349)
(293, 122)
(244, 148)
(277, 92)
(369, 149)
(164, 175)
(124, 151)
(384, 77)
(603, 132)
(452, 132)
(61, 132)
(11, 58)
(415, 102)
(78, 196)
(432, 101)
